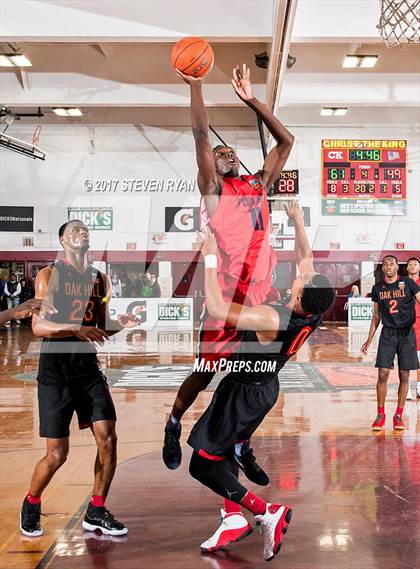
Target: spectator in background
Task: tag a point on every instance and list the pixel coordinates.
(12, 290)
(116, 286)
(2, 295)
(156, 292)
(354, 293)
(149, 286)
(26, 292)
(137, 283)
(126, 286)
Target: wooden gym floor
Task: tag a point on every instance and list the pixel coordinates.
(355, 495)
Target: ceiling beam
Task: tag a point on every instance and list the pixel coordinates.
(285, 15)
(102, 49)
(22, 78)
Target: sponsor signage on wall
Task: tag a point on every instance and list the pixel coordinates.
(96, 218)
(16, 218)
(364, 177)
(363, 207)
(181, 219)
(174, 312)
(360, 312)
(155, 313)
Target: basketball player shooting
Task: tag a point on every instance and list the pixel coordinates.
(269, 332)
(70, 379)
(236, 209)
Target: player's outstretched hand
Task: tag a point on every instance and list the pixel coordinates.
(36, 306)
(241, 82)
(91, 334)
(293, 211)
(365, 347)
(188, 78)
(207, 242)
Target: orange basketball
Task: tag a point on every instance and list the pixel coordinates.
(192, 56)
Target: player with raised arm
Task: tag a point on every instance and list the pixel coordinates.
(236, 209)
(394, 301)
(269, 332)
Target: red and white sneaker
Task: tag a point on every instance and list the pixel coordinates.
(398, 423)
(234, 527)
(379, 423)
(274, 524)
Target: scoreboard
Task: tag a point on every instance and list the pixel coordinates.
(355, 170)
(286, 184)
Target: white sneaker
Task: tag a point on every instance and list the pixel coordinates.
(234, 527)
(274, 524)
(409, 395)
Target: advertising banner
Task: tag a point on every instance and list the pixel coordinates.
(181, 219)
(155, 313)
(96, 218)
(360, 312)
(16, 218)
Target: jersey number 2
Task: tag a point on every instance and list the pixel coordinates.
(393, 306)
(298, 340)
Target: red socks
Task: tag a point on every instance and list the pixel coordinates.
(399, 411)
(98, 501)
(33, 499)
(254, 504)
(231, 507)
(381, 410)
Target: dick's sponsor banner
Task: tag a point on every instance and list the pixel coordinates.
(360, 312)
(16, 218)
(181, 219)
(363, 206)
(174, 312)
(96, 218)
(155, 313)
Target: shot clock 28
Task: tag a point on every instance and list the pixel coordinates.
(286, 184)
(364, 168)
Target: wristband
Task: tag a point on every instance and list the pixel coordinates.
(210, 262)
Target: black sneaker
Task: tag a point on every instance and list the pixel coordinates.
(248, 464)
(30, 519)
(98, 517)
(171, 452)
